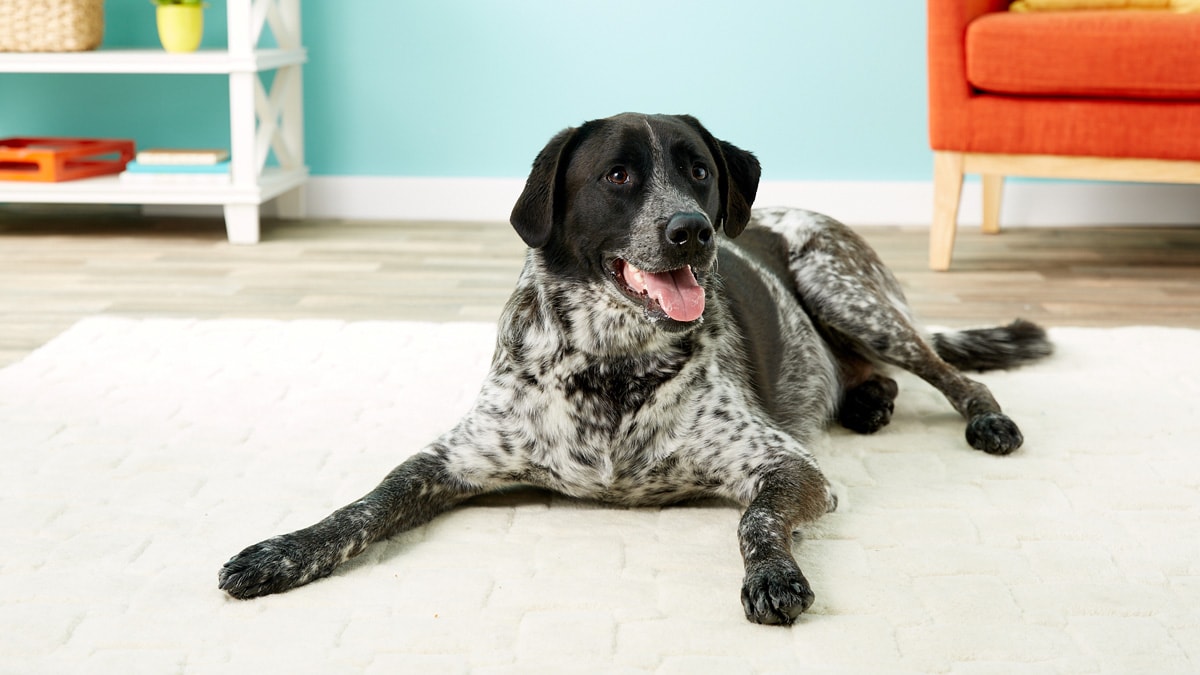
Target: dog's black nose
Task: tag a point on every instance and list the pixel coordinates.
(691, 231)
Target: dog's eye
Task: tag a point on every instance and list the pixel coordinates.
(700, 172)
(617, 175)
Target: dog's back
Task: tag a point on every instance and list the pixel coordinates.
(787, 364)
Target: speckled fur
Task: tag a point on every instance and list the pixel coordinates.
(597, 394)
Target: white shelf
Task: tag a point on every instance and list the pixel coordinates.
(260, 120)
(152, 61)
(111, 190)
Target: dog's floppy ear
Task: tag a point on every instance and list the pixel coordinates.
(738, 176)
(744, 171)
(534, 215)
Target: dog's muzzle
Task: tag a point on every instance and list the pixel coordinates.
(671, 287)
(691, 233)
(675, 293)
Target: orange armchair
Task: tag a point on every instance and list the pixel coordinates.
(1098, 95)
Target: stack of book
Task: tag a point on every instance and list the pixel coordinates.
(173, 167)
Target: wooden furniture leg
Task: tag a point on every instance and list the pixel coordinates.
(993, 189)
(947, 190)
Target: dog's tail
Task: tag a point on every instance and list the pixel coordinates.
(1016, 344)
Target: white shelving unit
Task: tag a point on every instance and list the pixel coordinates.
(259, 120)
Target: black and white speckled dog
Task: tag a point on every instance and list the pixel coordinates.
(645, 360)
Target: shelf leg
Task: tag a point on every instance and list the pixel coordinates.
(241, 223)
(293, 204)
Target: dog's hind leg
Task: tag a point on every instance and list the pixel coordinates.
(866, 407)
(411, 495)
(859, 307)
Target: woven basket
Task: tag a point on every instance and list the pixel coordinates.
(51, 25)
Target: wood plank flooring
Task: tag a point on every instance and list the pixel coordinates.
(59, 265)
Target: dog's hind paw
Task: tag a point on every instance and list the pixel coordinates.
(994, 433)
(775, 593)
(271, 566)
(868, 407)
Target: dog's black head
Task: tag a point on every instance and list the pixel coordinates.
(637, 200)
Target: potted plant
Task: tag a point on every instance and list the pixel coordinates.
(180, 24)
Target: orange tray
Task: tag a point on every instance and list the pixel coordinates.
(51, 160)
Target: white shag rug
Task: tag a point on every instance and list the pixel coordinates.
(138, 455)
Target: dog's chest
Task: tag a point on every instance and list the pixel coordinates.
(600, 403)
(601, 395)
(600, 427)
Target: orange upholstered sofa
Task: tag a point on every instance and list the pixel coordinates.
(1102, 95)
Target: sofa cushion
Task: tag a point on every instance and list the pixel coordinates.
(1118, 54)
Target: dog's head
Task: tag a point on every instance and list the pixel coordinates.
(637, 201)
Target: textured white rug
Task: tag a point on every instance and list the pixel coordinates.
(137, 456)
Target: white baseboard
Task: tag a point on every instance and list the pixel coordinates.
(1026, 203)
(370, 198)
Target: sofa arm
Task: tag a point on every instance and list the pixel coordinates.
(947, 66)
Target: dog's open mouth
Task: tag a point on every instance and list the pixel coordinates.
(674, 294)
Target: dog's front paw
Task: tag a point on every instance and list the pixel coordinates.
(994, 433)
(271, 566)
(775, 593)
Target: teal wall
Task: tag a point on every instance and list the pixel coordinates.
(819, 90)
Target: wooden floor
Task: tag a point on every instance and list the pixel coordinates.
(58, 266)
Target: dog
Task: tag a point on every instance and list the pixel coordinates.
(665, 342)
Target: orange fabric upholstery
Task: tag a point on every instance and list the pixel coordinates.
(1082, 94)
(975, 46)
(1151, 55)
(949, 91)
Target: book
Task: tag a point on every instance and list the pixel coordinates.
(172, 156)
(176, 174)
(137, 166)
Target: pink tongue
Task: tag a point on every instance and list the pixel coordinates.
(676, 291)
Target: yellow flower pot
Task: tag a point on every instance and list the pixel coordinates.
(180, 27)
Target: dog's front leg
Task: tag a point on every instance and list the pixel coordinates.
(774, 590)
(411, 495)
